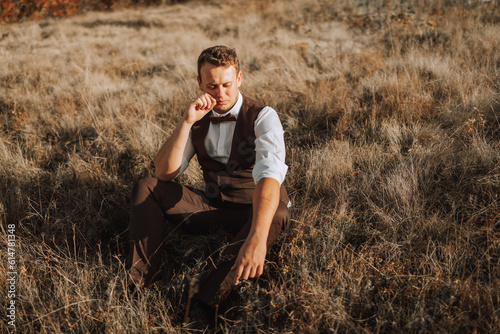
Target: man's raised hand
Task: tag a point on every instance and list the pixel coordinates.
(199, 107)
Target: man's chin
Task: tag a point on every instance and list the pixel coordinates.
(221, 109)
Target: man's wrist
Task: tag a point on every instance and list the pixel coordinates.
(185, 122)
(258, 236)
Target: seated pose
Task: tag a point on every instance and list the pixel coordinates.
(240, 148)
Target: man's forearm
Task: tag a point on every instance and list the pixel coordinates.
(265, 199)
(252, 254)
(168, 160)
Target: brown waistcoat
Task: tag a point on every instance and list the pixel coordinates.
(232, 182)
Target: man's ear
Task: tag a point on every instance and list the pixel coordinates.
(238, 79)
(199, 80)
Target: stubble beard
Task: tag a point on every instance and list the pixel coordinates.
(225, 110)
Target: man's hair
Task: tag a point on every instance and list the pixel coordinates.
(219, 55)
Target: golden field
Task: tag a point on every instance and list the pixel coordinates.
(391, 113)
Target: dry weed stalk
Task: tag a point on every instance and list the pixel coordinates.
(391, 112)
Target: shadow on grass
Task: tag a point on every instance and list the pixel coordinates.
(137, 24)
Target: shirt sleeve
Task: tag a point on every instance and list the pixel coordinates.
(187, 156)
(269, 147)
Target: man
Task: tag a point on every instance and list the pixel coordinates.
(240, 148)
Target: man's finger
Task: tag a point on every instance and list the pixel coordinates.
(211, 102)
(236, 264)
(207, 98)
(239, 271)
(199, 104)
(252, 272)
(260, 270)
(204, 102)
(246, 273)
(211, 98)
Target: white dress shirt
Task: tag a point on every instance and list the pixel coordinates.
(269, 143)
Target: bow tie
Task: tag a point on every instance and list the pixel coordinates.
(227, 118)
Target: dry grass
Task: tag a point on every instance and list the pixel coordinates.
(391, 114)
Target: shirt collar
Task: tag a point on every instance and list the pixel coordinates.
(235, 110)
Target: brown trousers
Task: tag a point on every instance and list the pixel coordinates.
(154, 200)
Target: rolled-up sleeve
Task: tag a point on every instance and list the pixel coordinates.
(269, 147)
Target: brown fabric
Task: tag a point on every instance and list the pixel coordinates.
(232, 182)
(227, 118)
(154, 200)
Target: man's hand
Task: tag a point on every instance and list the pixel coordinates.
(252, 254)
(199, 107)
(250, 260)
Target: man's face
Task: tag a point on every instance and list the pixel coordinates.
(222, 83)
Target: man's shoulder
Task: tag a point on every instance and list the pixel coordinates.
(260, 109)
(251, 103)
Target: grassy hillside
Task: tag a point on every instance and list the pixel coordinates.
(392, 120)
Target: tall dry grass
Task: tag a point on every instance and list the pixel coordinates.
(391, 112)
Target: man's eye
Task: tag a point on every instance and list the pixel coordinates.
(227, 84)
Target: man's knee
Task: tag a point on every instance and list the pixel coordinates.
(282, 216)
(148, 183)
(143, 188)
(165, 193)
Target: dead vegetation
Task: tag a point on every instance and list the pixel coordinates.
(391, 112)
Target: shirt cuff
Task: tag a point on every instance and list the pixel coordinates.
(184, 166)
(269, 168)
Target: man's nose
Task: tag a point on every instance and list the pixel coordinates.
(218, 91)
